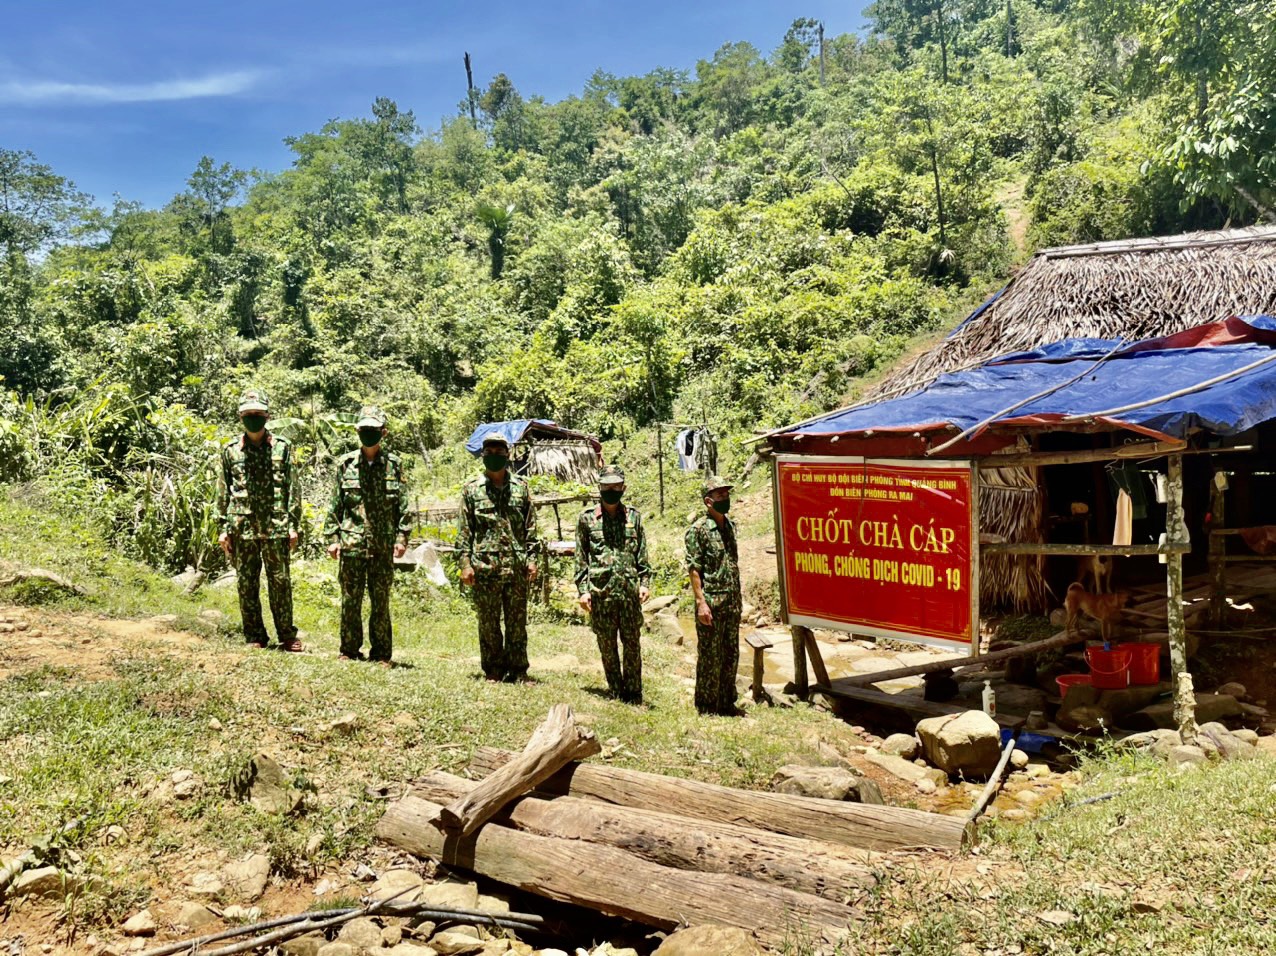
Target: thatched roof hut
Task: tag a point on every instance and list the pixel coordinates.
(1133, 289)
(1125, 291)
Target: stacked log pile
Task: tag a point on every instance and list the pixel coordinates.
(659, 850)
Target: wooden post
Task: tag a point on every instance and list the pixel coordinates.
(801, 686)
(817, 659)
(1218, 551)
(660, 464)
(821, 53)
(1176, 533)
(469, 90)
(545, 575)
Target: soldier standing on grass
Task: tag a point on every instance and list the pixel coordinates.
(367, 527)
(713, 565)
(497, 547)
(259, 510)
(613, 577)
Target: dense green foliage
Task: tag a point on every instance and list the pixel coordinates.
(742, 242)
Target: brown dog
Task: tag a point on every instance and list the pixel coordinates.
(1097, 568)
(1104, 608)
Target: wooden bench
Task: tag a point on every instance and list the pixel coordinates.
(759, 642)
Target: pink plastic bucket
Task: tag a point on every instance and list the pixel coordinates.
(1109, 670)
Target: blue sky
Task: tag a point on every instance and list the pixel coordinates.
(123, 96)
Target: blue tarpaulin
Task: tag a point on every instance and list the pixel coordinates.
(1144, 372)
(515, 430)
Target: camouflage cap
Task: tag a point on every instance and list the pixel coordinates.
(370, 416)
(253, 400)
(714, 483)
(611, 475)
(495, 438)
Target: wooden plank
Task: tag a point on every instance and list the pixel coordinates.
(914, 706)
(758, 641)
(1138, 450)
(867, 826)
(801, 685)
(609, 880)
(1061, 639)
(807, 866)
(554, 744)
(1116, 550)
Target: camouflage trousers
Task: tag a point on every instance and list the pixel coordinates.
(718, 655)
(374, 573)
(498, 600)
(612, 618)
(250, 554)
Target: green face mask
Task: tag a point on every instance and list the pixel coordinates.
(254, 423)
(721, 507)
(368, 437)
(611, 496)
(495, 462)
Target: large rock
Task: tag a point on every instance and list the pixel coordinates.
(1158, 742)
(303, 945)
(826, 783)
(666, 624)
(968, 743)
(905, 769)
(461, 896)
(901, 745)
(710, 939)
(46, 882)
(451, 942)
(246, 880)
(659, 603)
(1209, 707)
(140, 924)
(402, 885)
(264, 784)
(1223, 741)
(361, 933)
(196, 916)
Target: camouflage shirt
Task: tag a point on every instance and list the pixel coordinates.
(496, 529)
(611, 552)
(256, 495)
(712, 551)
(368, 511)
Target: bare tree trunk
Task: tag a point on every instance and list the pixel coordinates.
(469, 91)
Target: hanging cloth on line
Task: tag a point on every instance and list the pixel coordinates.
(1127, 477)
(685, 445)
(1123, 531)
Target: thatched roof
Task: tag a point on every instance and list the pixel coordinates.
(1133, 289)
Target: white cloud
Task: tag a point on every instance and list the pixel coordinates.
(32, 92)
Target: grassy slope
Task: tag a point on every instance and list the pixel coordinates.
(1183, 863)
(95, 748)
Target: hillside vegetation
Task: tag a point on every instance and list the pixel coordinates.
(741, 242)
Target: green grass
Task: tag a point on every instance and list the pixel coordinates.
(101, 749)
(1175, 862)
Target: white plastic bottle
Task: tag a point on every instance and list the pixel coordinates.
(990, 700)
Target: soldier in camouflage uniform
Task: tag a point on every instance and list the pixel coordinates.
(497, 547)
(259, 511)
(367, 527)
(713, 565)
(613, 578)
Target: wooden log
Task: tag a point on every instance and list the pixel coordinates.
(867, 826)
(553, 745)
(807, 866)
(610, 880)
(959, 663)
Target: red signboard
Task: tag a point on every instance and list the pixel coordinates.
(878, 547)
